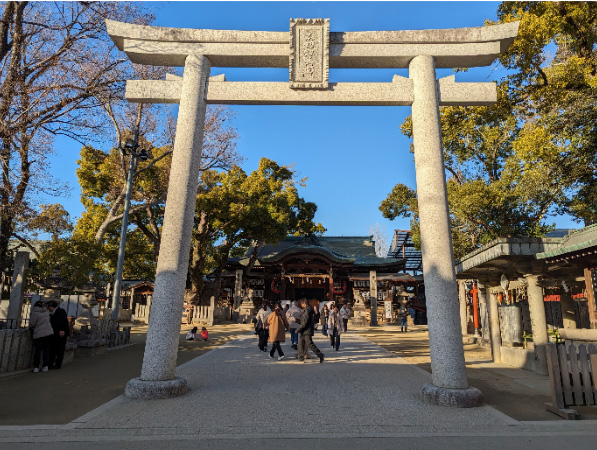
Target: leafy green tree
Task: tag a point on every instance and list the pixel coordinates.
(510, 164)
(55, 62)
(235, 209)
(492, 190)
(553, 84)
(77, 258)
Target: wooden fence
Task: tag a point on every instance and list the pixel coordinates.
(572, 373)
(16, 345)
(16, 350)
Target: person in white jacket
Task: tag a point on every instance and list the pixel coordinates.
(262, 331)
(344, 315)
(39, 323)
(293, 315)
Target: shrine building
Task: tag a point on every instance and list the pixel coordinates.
(319, 268)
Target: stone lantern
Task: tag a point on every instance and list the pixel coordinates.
(53, 286)
(87, 301)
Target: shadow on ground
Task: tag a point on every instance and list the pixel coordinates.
(517, 393)
(58, 397)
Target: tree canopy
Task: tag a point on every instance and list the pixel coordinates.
(56, 62)
(532, 153)
(235, 209)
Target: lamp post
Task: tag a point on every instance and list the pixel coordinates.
(130, 147)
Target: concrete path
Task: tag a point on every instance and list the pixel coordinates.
(240, 398)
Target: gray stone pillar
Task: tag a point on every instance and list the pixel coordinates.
(17, 290)
(148, 308)
(159, 363)
(538, 322)
(568, 309)
(238, 288)
(494, 326)
(483, 313)
(373, 296)
(462, 304)
(450, 385)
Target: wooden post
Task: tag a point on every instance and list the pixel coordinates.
(590, 296)
(475, 292)
(462, 304)
(331, 284)
(373, 296)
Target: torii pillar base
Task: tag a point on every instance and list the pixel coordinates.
(458, 398)
(150, 389)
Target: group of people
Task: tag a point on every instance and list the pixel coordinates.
(50, 329)
(301, 320)
(192, 334)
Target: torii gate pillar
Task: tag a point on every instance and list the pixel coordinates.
(158, 378)
(448, 368)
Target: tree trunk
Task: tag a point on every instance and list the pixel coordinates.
(197, 266)
(213, 288)
(253, 258)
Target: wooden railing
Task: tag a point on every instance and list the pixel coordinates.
(572, 373)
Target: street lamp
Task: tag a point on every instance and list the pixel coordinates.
(130, 147)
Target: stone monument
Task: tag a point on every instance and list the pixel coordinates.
(308, 51)
(89, 332)
(246, 311)
(17, 290)
(360, 310)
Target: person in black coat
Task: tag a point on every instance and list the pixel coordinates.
(61, 332)
(305, 331)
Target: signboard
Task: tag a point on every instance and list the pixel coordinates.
(388, 309)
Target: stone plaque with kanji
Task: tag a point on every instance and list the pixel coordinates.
(309, 53)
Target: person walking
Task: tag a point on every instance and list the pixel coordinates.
(61, 329)
(345, 315)
(39, 323)
(278, 325)
(305, 331)
(335, 328)
(293, 315)
(262, 331)
(403, 315)
(325, 315)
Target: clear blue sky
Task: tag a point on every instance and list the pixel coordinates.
(352, 156)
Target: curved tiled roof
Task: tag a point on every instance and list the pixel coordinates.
(577, 240)
(357, 250)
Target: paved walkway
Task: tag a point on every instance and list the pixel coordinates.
(240, 398)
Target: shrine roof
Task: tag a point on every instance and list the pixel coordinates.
(576, 240)
(354, 250)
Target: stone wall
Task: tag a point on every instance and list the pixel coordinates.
(16, 347)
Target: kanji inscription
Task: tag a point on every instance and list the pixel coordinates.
(309, 53)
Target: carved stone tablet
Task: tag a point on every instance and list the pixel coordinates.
(309, 53)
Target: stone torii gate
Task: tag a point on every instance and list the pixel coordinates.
(309, 50)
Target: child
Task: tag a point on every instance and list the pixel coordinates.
(192, 335)
(204, 334)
